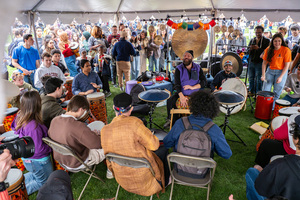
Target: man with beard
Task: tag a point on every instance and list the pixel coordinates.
(222, 76)
(189, 77)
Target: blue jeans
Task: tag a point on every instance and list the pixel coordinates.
(251, 192)
(38, 174)
(135, 67)
(255, 71)
(70, 62)
(290, 99)
(153, 61)
(30, 79)
(270, 80)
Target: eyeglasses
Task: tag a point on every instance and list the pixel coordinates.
(297, 84)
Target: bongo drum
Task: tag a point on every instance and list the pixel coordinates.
(275, 123)
(288, 111)
(280, 103)
(98, 106)
(264, 104)
(235, 85)
(75, 48)
(9, 136)
(16, 181)
(68, 86)
(10, 116)
(178, 104)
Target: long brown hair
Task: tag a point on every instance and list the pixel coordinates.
(30, 109)
(96, 32)
(271, 49)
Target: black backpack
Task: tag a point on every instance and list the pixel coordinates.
(12, 46)
(194, 143)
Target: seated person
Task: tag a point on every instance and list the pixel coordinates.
(204, 107)
(189, 77)
(47, 69)
(69, 130)
(292, 87)
(280, 146)
(42, 91)
(128, 136)
(56, 55)
(50, 107)
(87, 81)
(28, 122)
(222, 76)
(281, 176)
(18, 79)
(83, 56)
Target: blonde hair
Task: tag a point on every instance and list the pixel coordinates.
(16, 74)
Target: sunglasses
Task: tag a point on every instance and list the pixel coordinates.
(297, 84)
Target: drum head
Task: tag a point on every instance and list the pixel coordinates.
(288, 111)
(9, 136)
(95, 95)
(14, 176)
(96, 125)
(11, 111)
(69, 79)
(283, 102)
(236, 85)
(76, 45)
(236, 62)
(230, 99)
(277, 122)
(154, 95)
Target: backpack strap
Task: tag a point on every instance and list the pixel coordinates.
(208, 125)
(186, 123)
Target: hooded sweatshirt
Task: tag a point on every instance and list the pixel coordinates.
(50, 109)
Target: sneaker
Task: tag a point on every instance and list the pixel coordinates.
(122, 89)
(115, 85)
(107, 94)
(109, 174)
(167, 124)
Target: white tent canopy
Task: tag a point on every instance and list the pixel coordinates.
(67, 10)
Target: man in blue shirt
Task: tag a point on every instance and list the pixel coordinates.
(26, 59)
(204, 107)
(87, 81)
(122, 51)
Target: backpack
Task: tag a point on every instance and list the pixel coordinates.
(134, 93)
(195, 143)
(12, 46)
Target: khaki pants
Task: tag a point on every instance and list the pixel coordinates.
(123, 67)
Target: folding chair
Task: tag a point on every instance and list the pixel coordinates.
(192, 161)
(68, 151)
(129, 162)
(178, 111)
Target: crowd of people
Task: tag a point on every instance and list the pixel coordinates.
(123, 53)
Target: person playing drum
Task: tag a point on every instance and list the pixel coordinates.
(189, 77)
(5, 164)
(222, 76)
(86, 82)
(292, 87)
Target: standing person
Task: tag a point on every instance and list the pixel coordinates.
(295, 37)
(283, 30)
(40, 38)
(26, 59)
(113, 63)
(278, 56)
(49, 46)
(29, 122)
(122, 51)
(95, 41)
(85, 38)
(114, 34)
(135, 63)
(257, 46)
(5, 62)
(153, 54)
(70, 58)
(144, 41)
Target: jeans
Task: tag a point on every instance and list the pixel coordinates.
(30, 79)
(290, 99)
(270, 80)
(153, 62)
(135, 67)
(255, 71)
(251, 192)
(70, 62)
(38, 174)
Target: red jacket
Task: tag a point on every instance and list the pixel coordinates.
(282, 134)
(67, 52)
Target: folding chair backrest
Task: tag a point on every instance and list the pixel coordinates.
(129, 161)
(178, 111)
(60, 148)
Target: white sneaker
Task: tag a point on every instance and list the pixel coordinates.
(109, 174)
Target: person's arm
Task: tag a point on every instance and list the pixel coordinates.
(295, 62)
(132, 51)
(288, 84)
(37, 80)
(37, 64)
(177, 86)
(91, 43)
(202, 79)
(75, 87)
(172, 137)
(221, 146)
(5, 164)
(264, 66)
(287, 60)
(145, 137)
(89, 138)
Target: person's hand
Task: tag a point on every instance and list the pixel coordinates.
(279, 80)
(67, 74)
(89, 92)
(21, 89)
(94, 85)
(262, 78)
(183, 101)
(254, 47)
(5, 164)
(288, 89)
(187, 87)
(26, 72)
(231, 197)
(97, 132)
(72, 45)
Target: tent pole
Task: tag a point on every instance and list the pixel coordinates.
(34, 31)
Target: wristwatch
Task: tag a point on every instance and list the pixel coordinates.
(2, 186)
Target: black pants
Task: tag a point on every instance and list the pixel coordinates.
(114, 73)
(267, 150)
(162, 153)
(171, 103)
(104, 79)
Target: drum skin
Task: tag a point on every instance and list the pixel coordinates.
(264, 104)
(16, 189)
(280, 103)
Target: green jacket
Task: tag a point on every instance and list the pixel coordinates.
(50, 109)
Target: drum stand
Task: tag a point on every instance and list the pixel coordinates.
(251, 103)
(152, 108)
(226, 121)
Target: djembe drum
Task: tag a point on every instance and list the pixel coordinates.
(10, 116)
(98, 106)
(68, 86)
(16, 181)
(280, 103)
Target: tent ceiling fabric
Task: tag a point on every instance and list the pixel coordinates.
(66, 10)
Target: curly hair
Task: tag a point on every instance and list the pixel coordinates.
(204, 103)
(295, 132)
(271, 49)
